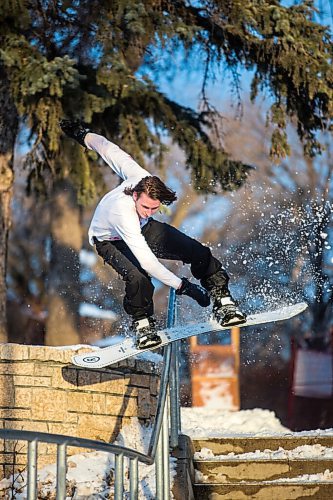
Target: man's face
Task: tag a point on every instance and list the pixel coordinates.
(145, 206)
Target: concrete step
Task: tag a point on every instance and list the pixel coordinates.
(265, 491)
(237, 469)
(246, 477)
(221, 446)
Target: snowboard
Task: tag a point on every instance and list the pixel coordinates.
(126, 349)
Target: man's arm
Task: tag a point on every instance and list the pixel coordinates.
(121, 162)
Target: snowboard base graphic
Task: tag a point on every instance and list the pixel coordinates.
(126, 349)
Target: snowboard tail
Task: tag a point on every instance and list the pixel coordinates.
(127, 348)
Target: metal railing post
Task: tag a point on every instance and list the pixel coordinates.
(174, 375)
(166, 453)
(159, 468)
(119, 477)
(134, 478)
(162, 452)
(171, 318)
(61, 471)
(32, 470)
(174, 396)
(177, 384)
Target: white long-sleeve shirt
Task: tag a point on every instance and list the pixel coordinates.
(116, 217)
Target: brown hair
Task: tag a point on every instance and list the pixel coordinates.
(153, 187)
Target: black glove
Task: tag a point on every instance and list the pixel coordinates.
(196, 292)
(75, 130)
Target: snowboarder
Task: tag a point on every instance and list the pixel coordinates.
(127, 237)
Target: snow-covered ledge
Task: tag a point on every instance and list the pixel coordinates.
(40, 390)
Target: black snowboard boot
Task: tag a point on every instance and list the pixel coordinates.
(146, 334)
(225, 309)
(75, 130)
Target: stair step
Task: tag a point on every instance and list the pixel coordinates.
(265, 490)
(221, 446)
(237, 469)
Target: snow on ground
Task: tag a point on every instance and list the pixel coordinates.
(203, 422)
(198, 422)
(91, 475)
(321, 477)
(300, 452)
(311, 478)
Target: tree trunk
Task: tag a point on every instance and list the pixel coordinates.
(8, 132)
(62, 326)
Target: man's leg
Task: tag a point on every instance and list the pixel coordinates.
(167, 242)
(138, 299)
(170, 243)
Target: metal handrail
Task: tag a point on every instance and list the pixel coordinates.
(159, 441)
(171, 318)
(160, 404)
(90, 444)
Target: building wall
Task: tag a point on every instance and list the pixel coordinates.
(41, 391)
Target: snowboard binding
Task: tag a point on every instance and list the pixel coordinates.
(226, 311)
(146, 334)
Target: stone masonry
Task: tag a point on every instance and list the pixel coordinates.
(40, 390)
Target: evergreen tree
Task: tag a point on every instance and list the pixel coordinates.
(8, 131)
(87, 55)
(8, 128)
(90, 60)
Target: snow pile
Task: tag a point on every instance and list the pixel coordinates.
(321, 477)
(152, 357)
(198, 422)
(327, 475)
(300, 452)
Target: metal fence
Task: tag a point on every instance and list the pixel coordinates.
(158, 449)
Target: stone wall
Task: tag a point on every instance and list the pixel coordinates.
(40, 390)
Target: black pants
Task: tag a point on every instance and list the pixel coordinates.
(166, 242)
